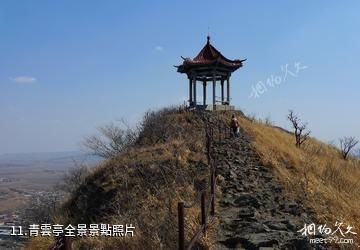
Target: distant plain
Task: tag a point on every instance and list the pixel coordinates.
(22, 175)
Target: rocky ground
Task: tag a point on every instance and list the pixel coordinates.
(254, 212)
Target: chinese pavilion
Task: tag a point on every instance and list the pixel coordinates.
(209, 66)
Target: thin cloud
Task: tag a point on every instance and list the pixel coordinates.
(159, 48)
(23, 79)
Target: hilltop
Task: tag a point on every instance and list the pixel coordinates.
(168, 163)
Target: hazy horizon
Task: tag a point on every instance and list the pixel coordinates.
(69, 67)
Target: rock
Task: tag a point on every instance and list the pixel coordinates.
(290, 225)
(247, 199)
(276, 226)
(304, 216)
(232, 242)
(254, 227)
(294, 209)
(255, 241)
(246, 212)
(298, 244)
(239, 188)
(293, 205)
(220, 179)
(267, 177)
(254, 212)
(232, 174)
(228, 201)
(238, 162)
(273, 211)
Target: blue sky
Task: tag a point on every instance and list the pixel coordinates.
(68, 67)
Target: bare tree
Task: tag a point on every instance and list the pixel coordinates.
(113, 140)
(42, 207)
(347, 143)
(74, 177)
(300, 132)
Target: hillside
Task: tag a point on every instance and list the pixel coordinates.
(254, 211)
(316, 174)
(280, 186)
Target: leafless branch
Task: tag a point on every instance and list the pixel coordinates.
(300, 133)
(347, 143)
(112, 140)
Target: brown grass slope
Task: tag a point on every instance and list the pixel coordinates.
(143, 185)
(168, 164)
(315, 174)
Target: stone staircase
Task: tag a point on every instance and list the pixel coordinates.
(254, 212)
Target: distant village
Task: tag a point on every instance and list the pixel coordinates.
(21, 217)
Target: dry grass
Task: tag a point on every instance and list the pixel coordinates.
(143, 186)
(314, 174)
(40, 243)
(168, 164)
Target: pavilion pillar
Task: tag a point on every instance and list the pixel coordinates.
(214, 88)
(194, 84)
(190, 91)
(204, 92)
(228, 90)
(222, 91)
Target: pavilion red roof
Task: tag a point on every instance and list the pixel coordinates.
(209, 56)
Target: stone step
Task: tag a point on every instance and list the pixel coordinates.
(254, 212)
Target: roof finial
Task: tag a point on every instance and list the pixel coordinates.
(208, 35)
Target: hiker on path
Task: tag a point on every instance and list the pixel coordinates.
(234, 126)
